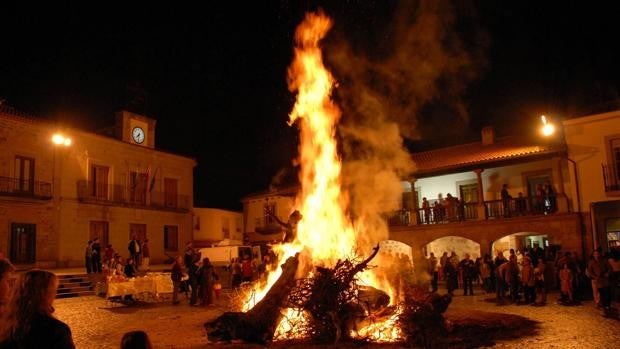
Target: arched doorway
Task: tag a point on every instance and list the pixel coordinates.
(395, 248)
(457, 244)
(520, 242)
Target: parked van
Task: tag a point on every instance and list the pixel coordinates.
(221, 255)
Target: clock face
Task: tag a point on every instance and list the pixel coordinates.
(138, 135)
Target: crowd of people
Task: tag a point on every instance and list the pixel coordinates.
(110, 262)
(524, 278)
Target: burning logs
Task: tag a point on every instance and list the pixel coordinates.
(259, 323)
(329, 306)
(331, 299)
(421, 319)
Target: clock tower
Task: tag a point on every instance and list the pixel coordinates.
(135, 129)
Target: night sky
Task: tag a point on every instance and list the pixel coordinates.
(214, 76)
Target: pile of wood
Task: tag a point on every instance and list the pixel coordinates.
(334, 306)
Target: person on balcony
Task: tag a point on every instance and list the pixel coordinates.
(426, 209)
(550, 199)
(520, 204)
(506, 198)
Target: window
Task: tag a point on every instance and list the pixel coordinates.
(23, 242)
(137, 187)
(99, 182)
(614, 145)
(171, 238)
(269, 211)
(170, 192)
(468, 192)
(225, 228)
(24, 174)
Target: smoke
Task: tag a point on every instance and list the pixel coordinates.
(382, 91)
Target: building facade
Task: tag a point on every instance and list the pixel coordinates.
(212, 225)
(55, 195)
(465, 210)
(594, 151)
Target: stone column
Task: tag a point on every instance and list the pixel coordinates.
(414, 218)
(481, 209)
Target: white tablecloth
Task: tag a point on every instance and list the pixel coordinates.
(154, 283)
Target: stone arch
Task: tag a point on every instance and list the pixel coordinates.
(458, 244)
(519, 241)
(395, 247)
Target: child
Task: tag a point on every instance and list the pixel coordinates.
(566, 282)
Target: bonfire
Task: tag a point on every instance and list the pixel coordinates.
(327, 290)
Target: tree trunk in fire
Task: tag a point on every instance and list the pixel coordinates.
(259, 323)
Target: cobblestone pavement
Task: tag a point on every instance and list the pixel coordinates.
(97, 324)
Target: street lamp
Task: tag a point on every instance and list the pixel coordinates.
(547, 129)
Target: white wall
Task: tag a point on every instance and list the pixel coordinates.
(255, 209)
(212, 222)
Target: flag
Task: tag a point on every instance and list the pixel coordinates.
(153, 180)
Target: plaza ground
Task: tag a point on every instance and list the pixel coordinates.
(96, 323)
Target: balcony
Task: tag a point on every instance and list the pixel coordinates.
(493, 209)
(25, 188)
(611, 177)
(266, 226)
(120, 195)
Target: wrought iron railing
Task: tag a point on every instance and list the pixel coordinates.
(457, 212)
(115, 194)
(25, 188)
(611, 177)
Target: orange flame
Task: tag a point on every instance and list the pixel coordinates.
(325, 234)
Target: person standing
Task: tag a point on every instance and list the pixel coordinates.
(599, 272)
(540, 282)
(146, 255)
(6, 272)
(432, 270)
(194, 280)
(28, 321)
(176, 275)
(528, 281)
(235, 273)
(468, 268)
(506, 198)
(88, 257)
(451, 275)
(206, 276)
(96, 256)
(134, 249)
(247, 268)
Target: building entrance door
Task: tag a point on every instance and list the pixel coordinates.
(23, 242)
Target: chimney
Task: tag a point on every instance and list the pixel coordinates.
(488, 135)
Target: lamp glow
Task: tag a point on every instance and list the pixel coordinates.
(59, 139)
(547, 129)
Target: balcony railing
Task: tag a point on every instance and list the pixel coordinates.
(114, 194)
(264, 225)
(611, 177)
(25, 188)
(493, 209)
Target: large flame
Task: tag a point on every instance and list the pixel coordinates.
(324, 226)
(326, 233)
